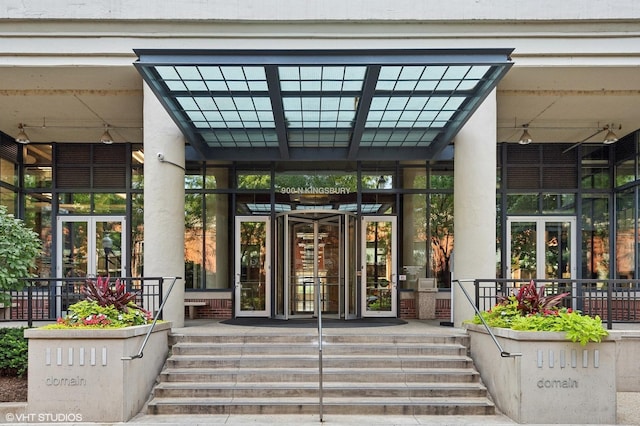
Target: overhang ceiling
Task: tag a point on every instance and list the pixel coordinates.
(321, 105)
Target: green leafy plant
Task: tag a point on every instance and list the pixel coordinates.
(105, 306)
(19, 248)
(14, 352)
(531, 310)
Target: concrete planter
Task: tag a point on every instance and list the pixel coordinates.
(79, 375)
(554, 381)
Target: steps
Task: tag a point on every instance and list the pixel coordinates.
(268, 373)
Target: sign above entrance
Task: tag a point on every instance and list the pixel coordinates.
(321, 105)
(315, 190)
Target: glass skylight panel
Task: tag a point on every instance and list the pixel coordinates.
(167, 73)
(315, 112)
(187, 103)
(189, 73)
(321, 78)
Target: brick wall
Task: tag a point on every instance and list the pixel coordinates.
(214, 309)
(443, 308)
(408, 309)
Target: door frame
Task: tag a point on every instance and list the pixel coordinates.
(91, 243)
(540, 222)
(237, 285)
(393, 284)
(349, 271)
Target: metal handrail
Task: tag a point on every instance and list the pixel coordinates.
(503, 353)
(320, 384)
(155, 320)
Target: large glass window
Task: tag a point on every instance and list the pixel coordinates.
(38, 218)
(137, 235)
(625, 235)
(441, 236)
(625, 172)
(595, 237)
(193, 240)
(8, 171)
(414, 239)
(207, 241)
(217, 253)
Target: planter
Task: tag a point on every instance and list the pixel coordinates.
(554, 381)
(78, 375)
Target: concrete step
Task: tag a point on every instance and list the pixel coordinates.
(278, 373)
(291, 338)
(355, 375)
(371, 406)
(406, 349)
(310, 390)
(311, 361)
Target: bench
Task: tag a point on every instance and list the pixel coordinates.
(192, 307)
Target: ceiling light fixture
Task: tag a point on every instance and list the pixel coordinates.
(106, 136)
(610, 137)
(22, 136)
(526, 138)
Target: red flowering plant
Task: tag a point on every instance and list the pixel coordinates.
(531, 309)
(105, 306)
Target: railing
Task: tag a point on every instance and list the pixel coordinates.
(503, 353)
(46, 299)
(153, 324)
(614, 301)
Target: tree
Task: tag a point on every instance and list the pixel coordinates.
(19, 248)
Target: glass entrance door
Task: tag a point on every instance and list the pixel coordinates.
(541, 247)
(316, 260)
(91, 246)
(379, 269)
(253, 266)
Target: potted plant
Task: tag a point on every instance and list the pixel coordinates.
(552, 356)
(93, 348)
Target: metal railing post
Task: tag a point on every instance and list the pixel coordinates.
(29, 306)
(320, 387)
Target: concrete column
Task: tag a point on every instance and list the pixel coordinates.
(474, 204)
(164, 203)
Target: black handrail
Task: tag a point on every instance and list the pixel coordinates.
(503, 353)
(155, 320)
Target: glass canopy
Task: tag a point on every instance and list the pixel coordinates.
(321, 105)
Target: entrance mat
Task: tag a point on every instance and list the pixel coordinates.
(311, 323)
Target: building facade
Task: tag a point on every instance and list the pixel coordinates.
(284, 157)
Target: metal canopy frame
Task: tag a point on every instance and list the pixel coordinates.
(311, 105)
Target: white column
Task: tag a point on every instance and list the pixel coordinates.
(474, 204)
(164, 203)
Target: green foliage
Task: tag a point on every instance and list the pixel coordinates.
(509, 313)
(14, 352)
(105, 306)
(89, 314)
(19, 247)
(579, 328)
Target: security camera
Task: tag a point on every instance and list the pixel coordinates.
(160, 156)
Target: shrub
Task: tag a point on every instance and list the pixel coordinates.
(14, 352)
(530, 310)
(19, 247)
